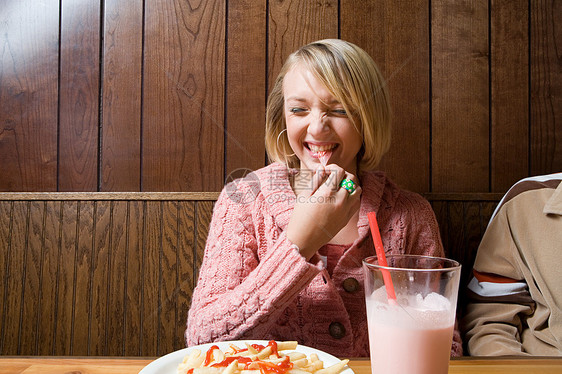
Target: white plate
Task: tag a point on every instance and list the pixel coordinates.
(168, 364)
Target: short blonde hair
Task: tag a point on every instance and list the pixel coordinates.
(352, 76)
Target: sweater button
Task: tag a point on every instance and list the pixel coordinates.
(350, 285)
(337, 330)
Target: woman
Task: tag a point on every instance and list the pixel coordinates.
(286, 264)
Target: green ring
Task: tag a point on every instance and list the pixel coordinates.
(348, 184)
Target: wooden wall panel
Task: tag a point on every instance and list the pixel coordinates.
(183, 105)
(245, 88)
(67, 277)
(117, 281)
(121, 102)
(5, 241)
(133, 294)
(79, 96)
(463, 219)
(546, 86)
(294, 23)
(510, 93)
(168, 311)
(150, 283)
(102, 276)
(113, 274)
(28, 95)
(82, 298)
(100, 279)
(126, 95)
(204, 213)
(31, 280)
(460, 97)
(396, 35)
(15, 272)
(49, 265)
(186, 268)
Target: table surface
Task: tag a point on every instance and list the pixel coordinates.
(104, 365)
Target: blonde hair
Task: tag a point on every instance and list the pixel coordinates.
(352, 76)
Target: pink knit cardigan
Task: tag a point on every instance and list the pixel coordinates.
(253, 284)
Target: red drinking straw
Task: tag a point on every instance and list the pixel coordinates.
(380, 255)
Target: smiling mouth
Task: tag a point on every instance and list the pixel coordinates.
(320, 149)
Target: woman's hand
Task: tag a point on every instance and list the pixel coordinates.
(322, 210)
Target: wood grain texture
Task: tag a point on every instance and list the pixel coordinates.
(398, 41)
(83, 290)
(246, 87)
(48, 282)
(121, 100)
(99, 278)
(28, 95)
(16, 279)
(460, 98)
(462, 223)
(5, 243)
(151, 257)
(134, 283)
(204, 212)
(115, 277)
(170, 95)
(546, 87)
(294, 23)
(183, 106)
(186, 251)
(79, 96)
(68, 246)
(510, 93)
(127, 365)
(168, 315)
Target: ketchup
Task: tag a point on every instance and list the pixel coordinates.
(272, 344)
(265, 367)
(227, 361)
(279, 368)
(209, 356)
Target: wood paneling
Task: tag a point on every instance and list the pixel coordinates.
(463, 219)
(460, 97)
(95, 276)
(509, 76)
(246, 86)
(28, 95)
(126, 95)
(546, 86)
(293, 23)
(395, 34)
(183, 105)
(120, 154)
(79, 83)
(112, 274)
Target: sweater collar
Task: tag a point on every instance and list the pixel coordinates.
(281, 198)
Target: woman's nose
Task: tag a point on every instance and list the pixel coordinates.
(318, 123)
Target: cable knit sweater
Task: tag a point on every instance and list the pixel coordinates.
(254, 284)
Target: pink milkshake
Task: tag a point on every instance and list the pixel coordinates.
(413, 333)
(409, 339)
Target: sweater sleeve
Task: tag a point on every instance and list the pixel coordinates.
(242, 289)
(498, 295)
(420, 229)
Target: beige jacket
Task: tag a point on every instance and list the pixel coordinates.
(515, 303)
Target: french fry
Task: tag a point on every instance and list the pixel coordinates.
(287, 345)
(334, 369)
(256, 360)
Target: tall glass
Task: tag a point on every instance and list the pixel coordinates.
(412, 333)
